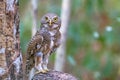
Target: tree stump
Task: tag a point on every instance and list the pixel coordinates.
(54, 75)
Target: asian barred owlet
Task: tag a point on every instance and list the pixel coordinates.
(44, 42)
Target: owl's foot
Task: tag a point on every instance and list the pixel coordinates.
(46, 70)
(41, 71)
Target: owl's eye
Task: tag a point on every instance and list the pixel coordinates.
(55, 19)
(46, 18)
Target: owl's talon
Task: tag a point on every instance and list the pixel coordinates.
(42, 71)
(46, 70)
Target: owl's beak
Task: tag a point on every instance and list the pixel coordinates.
(50, 23)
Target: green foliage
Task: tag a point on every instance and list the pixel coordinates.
(107, 70)
(71, 60)
(25, 34)
(100, 4)
(89, 7)
(91, 62)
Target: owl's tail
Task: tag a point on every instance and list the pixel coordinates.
(29, 65)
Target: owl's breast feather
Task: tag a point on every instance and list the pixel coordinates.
(51, 43)
(52, 33)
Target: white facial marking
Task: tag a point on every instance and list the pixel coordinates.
(45, 25)
(55, 26)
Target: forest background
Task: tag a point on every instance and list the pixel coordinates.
(93, 36)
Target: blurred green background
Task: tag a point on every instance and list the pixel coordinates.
(93, 36)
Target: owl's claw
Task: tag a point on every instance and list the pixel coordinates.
(46, 70)
(41, 71)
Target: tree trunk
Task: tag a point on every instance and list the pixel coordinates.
(54, 75)
(34, 28)
(61, 51)
(10, 55)
(34, 16)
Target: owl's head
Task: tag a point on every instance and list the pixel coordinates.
(51, 21)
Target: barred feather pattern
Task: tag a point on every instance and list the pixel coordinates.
(31, 50)
(45, 41)
(39, 43)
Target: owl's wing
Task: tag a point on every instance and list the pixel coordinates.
(33, 46)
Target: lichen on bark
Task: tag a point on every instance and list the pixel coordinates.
(10, 40)
(54, 75)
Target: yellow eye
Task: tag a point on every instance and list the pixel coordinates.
(46, 18)
(55, 19)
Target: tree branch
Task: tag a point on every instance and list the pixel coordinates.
(54, 75)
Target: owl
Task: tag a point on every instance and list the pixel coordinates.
(43, 43)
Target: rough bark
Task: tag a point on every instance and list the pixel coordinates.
(61, 51)
(10, 55)
(54, 75)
